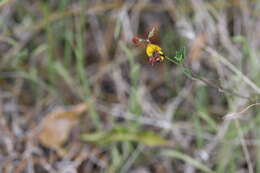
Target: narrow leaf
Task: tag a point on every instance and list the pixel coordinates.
(186, 158)
(122, 133)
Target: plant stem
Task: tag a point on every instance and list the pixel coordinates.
(171, 60)
(190, 74)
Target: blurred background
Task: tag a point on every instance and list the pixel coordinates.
(76, 95)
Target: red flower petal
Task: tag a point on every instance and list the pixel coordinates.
(136, 40)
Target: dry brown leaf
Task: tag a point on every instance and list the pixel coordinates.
(56, 126)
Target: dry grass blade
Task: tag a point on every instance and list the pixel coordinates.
(234, 69)
(235, 115)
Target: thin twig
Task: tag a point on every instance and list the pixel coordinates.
(195, 76)
(244, 110)
(220, 88)
(244, 147)
(171, 60)
(241, 135)
(235, 115)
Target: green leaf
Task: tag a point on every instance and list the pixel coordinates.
(186, 158)
(124, 133)
(188, 73)
(180, 55)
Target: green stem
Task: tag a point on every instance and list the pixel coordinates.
(171, 60)
(190, 74)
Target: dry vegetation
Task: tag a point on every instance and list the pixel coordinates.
(77, 96)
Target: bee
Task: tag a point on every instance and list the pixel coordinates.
(153, 51)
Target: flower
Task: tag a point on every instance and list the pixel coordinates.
(151, 49)
(136, 40)
(154, 52)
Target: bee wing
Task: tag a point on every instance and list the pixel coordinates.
(151, 33)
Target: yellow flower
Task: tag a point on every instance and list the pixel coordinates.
(153, 50)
